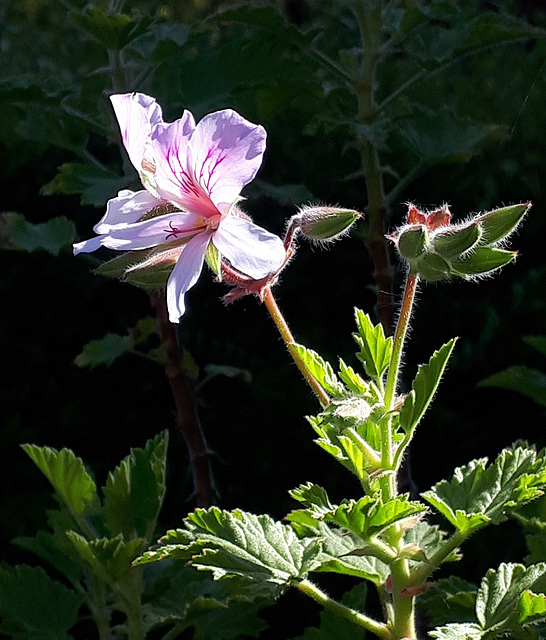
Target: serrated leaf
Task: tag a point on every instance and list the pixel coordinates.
(365, 517)
(33, 606)
(134, 491)
(375, 348)
(321, 370)
(95, 185)
(498, 603)
(424, 387)
(341, 554)
(68, 476)
(353, 381)
(458, 631)
(449, 600)
(264, 552)
(529, 382)
(109, 558)
(104, 351)
(52, 236)
(479, 495)
(429, 539)
(112, 30)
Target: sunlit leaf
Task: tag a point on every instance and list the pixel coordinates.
(104, 351)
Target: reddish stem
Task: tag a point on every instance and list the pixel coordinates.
(183, 390)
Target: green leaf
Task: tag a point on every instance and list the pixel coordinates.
(320, 370)
(68, 476)
(353, 380)
(375, 348)
(104, 351)
(529, 382)
(499, 606)
(458, 631)
(265, 553)
(35, 607)
(424, 387)
(341, 553)
(532, 607)
(95, 185)
(478, 495)
(365, 517)
(109, 558)
(52, 236)
(134, 491)
(449, 600)
(428, 539)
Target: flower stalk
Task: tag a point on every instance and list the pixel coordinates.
(288, 339)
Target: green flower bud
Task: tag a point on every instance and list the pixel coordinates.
(413, 241)
(481, 261)
(431, 267)
(454, 241)
(323, 224)
(500, 223)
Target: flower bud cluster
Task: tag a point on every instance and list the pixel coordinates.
(438, 250)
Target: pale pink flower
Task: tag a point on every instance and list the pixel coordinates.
(193, 175)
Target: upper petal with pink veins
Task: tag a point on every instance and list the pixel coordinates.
(206, 171)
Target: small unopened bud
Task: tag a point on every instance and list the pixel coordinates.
(324, 224)
(431, 267)
(482, 261)
(413, 241)
(500, 223)
(455, 241)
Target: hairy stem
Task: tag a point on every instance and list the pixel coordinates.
(187, 419)
(288, 338)
(378, 628)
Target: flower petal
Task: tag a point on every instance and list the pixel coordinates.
(250, 249)
(87, 246)
(152, 232)
(137, 114)
(127, 208)
(174, 178)
(205, 172)
(225, 153)
(185, 274)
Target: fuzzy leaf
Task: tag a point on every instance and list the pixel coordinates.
(104, 351)
(478, 495)
(35, 607)
(320, 370)
(424, 387)
(264, 552)
(134, 491)
(365, 517)
(375, 348)
(109, 558)
(52, 236)
(499, 606)
(458, 631)
(68, 476)
(449, 600)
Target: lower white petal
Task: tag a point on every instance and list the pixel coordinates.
(127, 208)
(250, 249)
(185, 274)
